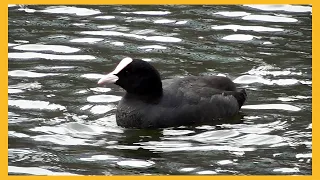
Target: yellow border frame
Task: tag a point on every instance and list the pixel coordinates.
(4, 80)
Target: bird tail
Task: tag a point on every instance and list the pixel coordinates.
(241, 97)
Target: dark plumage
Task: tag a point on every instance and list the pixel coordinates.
(152, 103)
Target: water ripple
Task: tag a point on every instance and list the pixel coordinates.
(206, 172)
(239, 37)
(86, 40)
(105, 17)
(286, 107)
(70, 10)
(99, 158)
(269, 18)
(102, 109)
(246, 28)
(249, 79)
(135, 164)
(41, 47)
(232, 13)
(287, 170)
(148, 38)
(284, 7)
(36, 171)
(22, 73)
(61, 123)
(103, 98)
(154, 13)
(31, 104)
(257, 139)
(34, 55)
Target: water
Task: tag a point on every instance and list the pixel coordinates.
(61, 123)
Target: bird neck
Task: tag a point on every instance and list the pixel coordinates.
(150, 93)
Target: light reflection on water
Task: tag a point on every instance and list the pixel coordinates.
(61, 123)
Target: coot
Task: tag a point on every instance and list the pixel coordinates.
(152, 103)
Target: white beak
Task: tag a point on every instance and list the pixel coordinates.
(111, 77)
(108, 79)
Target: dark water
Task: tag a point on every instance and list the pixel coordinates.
(60, 122)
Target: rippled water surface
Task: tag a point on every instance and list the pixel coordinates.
(61, 123)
